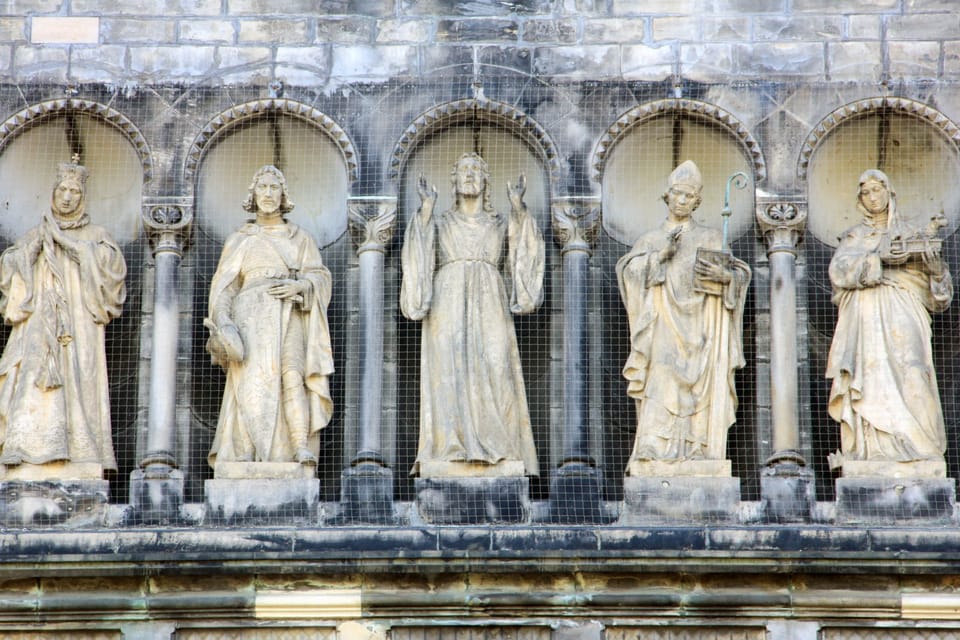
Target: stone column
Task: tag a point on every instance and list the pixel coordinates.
(367, 485)
(156, 488)
(575, 493)
(787, 484)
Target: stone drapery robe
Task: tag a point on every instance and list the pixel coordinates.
(277, 335)
(473, 404)
(54, 397)
(685, 346)
(884, 392)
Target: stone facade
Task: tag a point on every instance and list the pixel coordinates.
(368, 90)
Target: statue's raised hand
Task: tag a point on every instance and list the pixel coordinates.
(515, 193)
(428, 199)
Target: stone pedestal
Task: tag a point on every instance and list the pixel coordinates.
(788, 491)
(680, 491)
(575, 495)
(477, 500)
(366, 495)
(262, 493)
(890, 492)
(62, 494)
(156, 500)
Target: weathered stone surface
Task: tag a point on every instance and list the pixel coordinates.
(808, 28)
(653, 7)
(230, 57)
(680, 468)
(750, 6)
(706, 63)
(788, 493)
(171, 62)
(345, 29)
(640, 62)
(890, 500)
(832, 6)
(146, 7)
(854, 61)
(549, 31)
(914, 59)
(262, 502)
(471, 7)
(781, 59)
(373, 8)
(614, 30)
(864, 27)
(595, 61)
(682, 28)
(366, 495)
(373, 62)
(404, 30)
(510, 57)
(725, 29)
(679, 499)
(60, 503)
(118, 30)
(274, 31)
(53, 30)
(208, 31)
(476, 30)
(97, 64)
(473, 500)
(924, 26)
(316, 57)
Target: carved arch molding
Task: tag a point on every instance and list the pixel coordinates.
(36, 114)
(900, 106)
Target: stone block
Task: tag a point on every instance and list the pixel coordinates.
(274, 32)
(207, 31)
(312, 56)
(855, 61)
(476, 30)
(890, 469)
(172, 63)
(393, 31)
(682, 28)
(787, 492)
(503, 469)
(435, 57)
(576, 496)
(614, 31)
(589, 62)
(146, 7)
(117, 30)
(53, 30)
(640, 62)
(684, 468)
(472, 7)
(803, 28)
(863, 27)
(892, 500)
(65, 504)
(364, 62)
(97, 64)
(366, 495)
(832, 6)
(155, 500)
(573, 631)
(345, 30)
(725, 29)
(53, 471)
(916, 59)
(924, 26)
(549, 31)
(263, 470)
(242, 56)
(473, 500)
(750, 6)
(781, 59)
(262, 502)
(707, 63)
(679, 499)
(653, 7)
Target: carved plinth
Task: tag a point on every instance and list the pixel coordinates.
(891, 469)
(473, 500)
(54, 503)
(264, 470)
(891, 500)
(55, 471)
(680, 499)
(366, 495)
(262, 501)
(456, 469)
(680, 468)
(788, 492)
(155, 500)
(576, 496)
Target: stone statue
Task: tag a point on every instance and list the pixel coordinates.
(887, 277)
(473, 405)
(268, 326)
(62, 282)
(684, 298)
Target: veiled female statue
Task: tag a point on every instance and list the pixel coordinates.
(62, 282)
(473, 406)
(887, 277)
(686, 315)
(268, 323)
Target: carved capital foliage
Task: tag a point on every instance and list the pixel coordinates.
(782, 224)
(576, 222)
(372, 221)
(168, 223)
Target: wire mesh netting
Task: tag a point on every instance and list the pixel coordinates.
(475, 377)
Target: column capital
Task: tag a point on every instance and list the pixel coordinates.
(372, 221)
(576, 222)
(168, 222)
(782, 222)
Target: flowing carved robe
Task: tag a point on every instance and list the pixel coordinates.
(277, 335)
(884, 392)
(685, 346)
(54, 398)
(473, 405)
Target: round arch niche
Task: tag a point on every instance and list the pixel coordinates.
(40, 137)
(637, 154)
(315, 155)
(915, 145)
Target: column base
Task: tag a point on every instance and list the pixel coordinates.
(473, 500)
(787, 491)
(366, 495)
(64, 504)
(155, 499)
(680, 499)
(262, 501)
(576, 496)
(893, 500)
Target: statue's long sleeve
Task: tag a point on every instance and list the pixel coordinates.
(418, 258)
(526, 263)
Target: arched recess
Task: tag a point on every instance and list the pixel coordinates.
(915, 144)
(633, 159)
(918, 147)
(631, 162)
(34, 140)
(512, 143)
(315, 154)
